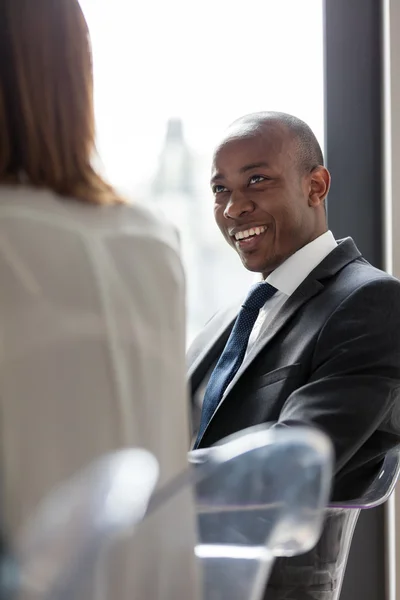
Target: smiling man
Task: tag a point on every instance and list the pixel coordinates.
(316, 342)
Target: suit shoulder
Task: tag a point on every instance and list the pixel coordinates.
(367, 290)
(360, 273)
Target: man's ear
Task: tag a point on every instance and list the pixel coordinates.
(320, 182)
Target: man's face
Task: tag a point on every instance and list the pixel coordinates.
(262, 199)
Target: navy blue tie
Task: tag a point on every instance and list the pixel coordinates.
(234, 351)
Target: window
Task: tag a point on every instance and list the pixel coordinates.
(169, 77)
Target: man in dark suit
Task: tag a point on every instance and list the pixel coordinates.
(317, 343)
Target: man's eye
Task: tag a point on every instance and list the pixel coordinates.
(256, 179)
(217, 189)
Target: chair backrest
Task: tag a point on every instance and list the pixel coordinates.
(267, 502)
(381, 488)
(60, 543)
(378, 493)
(260, 494)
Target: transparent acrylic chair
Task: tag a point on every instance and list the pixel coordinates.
(260, 494)
(380, 489)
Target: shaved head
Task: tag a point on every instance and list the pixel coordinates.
(308, 153)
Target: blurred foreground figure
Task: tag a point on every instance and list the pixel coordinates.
(92, 333)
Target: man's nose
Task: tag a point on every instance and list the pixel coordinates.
(238, 205)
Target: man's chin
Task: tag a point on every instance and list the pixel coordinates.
(255, 264)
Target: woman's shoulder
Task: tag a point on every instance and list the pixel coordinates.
(142, 222)
(127, 220)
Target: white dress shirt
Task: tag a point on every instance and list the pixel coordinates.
(287, 278)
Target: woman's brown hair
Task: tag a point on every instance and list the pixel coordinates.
(47, 130)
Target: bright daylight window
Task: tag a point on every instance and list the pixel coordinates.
(169, 76)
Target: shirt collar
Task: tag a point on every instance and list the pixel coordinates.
(291, 273)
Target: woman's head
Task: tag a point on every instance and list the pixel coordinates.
(47, 127)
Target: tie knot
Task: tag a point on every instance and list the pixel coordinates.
(258, 295)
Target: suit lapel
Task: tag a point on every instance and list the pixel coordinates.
(218, 330)
(304, 293)
(209, 345)
(345, 253)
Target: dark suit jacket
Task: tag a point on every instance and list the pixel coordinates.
(329, 359)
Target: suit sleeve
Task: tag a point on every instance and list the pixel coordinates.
(355, 381)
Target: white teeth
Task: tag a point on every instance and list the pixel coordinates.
(254, 231)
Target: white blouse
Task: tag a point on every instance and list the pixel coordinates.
(92, 358)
